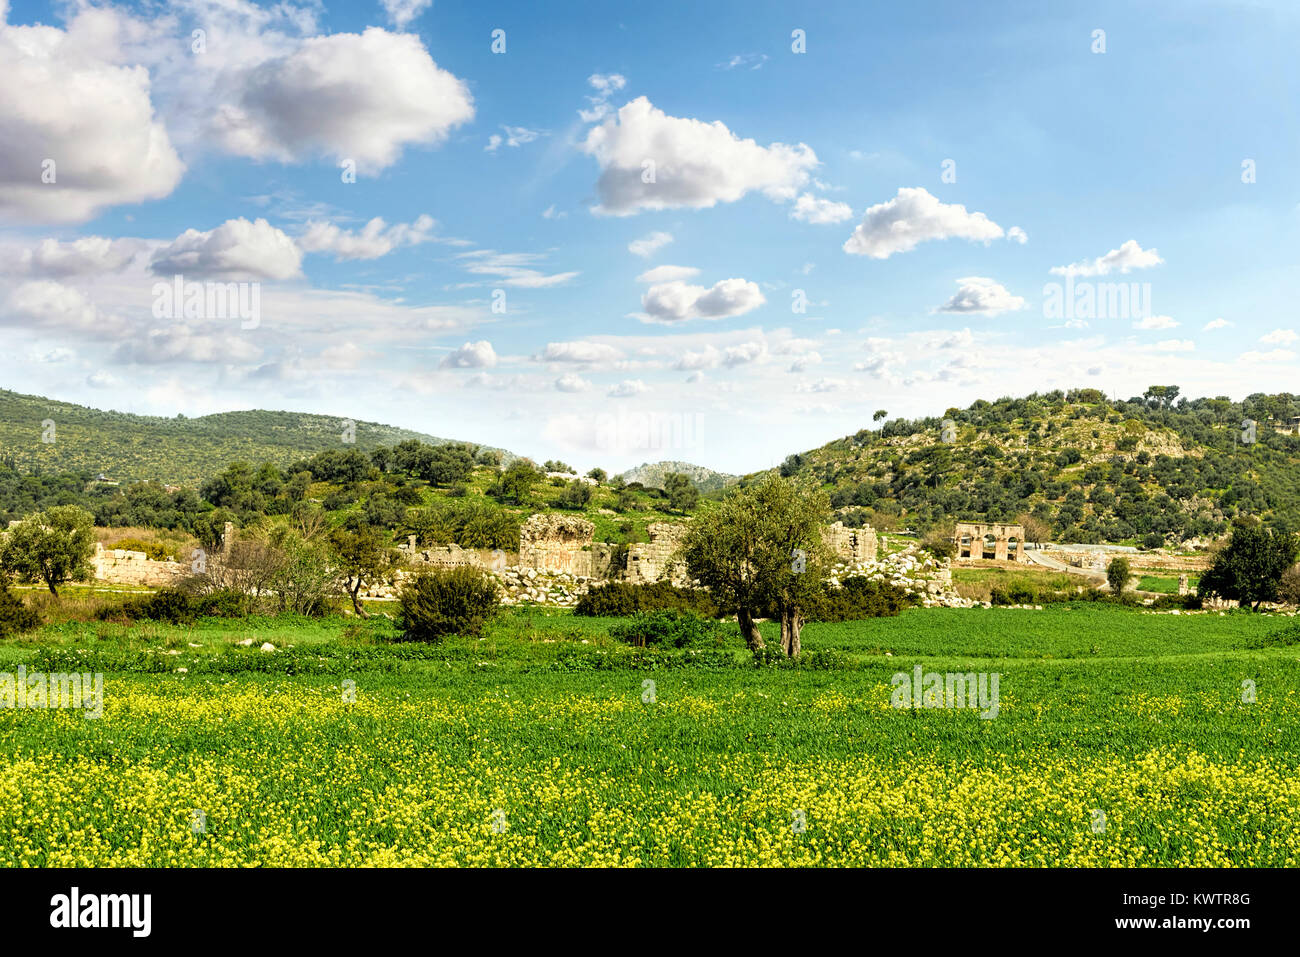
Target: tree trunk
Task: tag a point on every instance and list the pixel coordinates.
(50, 585)
(749, 629)
(356, 601)
(791, 625)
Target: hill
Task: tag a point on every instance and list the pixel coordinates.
(651, 475)
(181, 451)
(1142, 471)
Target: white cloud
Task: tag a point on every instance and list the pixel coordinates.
(375, 239)
(550, 212)
(183, 343)
(1273, 355)
(1129, 256)
(50, 305)
(813, 209)
(88, 256)
(1280, 337)
(649, 245)
(472, 355)
(627, 389)
(1156, 322)
(68, 98)
(605, 84)
(572, 382)
(237, 249)
(580, 351)
(821, 385)
(515, 136)
(667, 273)
(695, 164)
(1219, 323)
(102, 380)
(512, 269)
(1017, 235)
(1176, 345)
(348, 96)
(752, 61)
(912, 217)
(402, 12)
(982, 295)
(676, 301)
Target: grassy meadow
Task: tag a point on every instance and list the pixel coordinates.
(1121, 738)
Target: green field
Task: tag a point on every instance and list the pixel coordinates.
(534, 746)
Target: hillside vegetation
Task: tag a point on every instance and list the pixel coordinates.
(1147, 470)
(181, 451)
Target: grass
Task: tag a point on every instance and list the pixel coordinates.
(537, 745)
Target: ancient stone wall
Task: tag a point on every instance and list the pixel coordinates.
(120, 566)
(852, 544)
(648, 563)
(561, 544)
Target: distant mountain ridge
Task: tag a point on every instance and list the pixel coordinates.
(652, 474)
(43, 434)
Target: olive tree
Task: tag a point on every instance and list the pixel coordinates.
(761, 549)
(53, 546)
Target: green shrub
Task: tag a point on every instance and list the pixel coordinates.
(858, 598)
(447, 601)
(177, 606)
(223, 603)
(1016, 594)
(668, 628)
(1190, 602)
(16, 616)
(619, 599)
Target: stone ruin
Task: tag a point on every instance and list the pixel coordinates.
(562, 544)
(977, 540)
(648, 563)
(852, 544)
(122, 566)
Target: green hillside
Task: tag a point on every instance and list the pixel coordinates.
(129, 448)
(1147, 470)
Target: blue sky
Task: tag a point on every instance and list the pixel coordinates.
(916, 178)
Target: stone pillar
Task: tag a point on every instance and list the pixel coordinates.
(1182, 585)
(1000, 549)
(410, 544)
(227, 539)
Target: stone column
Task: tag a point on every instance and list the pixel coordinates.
(1000, 549)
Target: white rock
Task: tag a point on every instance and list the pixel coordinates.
(267, 646)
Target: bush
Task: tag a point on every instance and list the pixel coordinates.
(668, 628)
(619, 599)
(447, 601)
(1017, 594)
(223, 603)
(16, 616)
(178, 606)
(1288, 589)
(1190, 602)
(858, 598)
